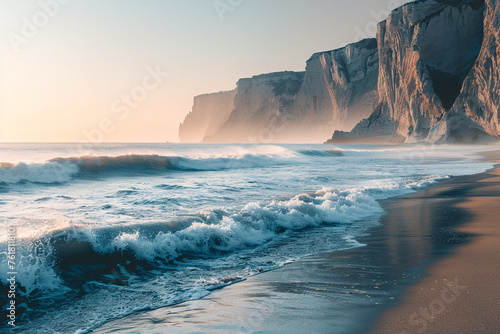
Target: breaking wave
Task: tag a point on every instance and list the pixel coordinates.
(61, 170)
(210, 233)
(49, 172)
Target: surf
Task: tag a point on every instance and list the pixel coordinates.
(60, 170)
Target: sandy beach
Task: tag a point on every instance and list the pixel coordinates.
(430, 267)
(460, 293)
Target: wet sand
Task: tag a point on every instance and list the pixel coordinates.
(461, 293)
(449, 232)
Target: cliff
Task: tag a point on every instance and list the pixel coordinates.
(438, 75)
(431, 75)
(336, 91)
(341, 85)
(210, 112)
(262, 103)
(479, 101)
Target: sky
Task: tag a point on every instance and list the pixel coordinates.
(127, 70)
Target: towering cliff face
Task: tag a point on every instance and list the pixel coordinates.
(479, 101)
(340, 86)
(209, 113)
(426, 50)
(262, 102)
(336, 91)
(433, 74)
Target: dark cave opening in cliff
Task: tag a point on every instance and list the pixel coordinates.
(446, 86)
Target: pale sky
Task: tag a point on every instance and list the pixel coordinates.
(80, 70)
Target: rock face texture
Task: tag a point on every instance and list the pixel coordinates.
(337, 90)
(341, 85)
(209, 113)
(438, 77)
(479, 101)
(432, 75)
(261, 104)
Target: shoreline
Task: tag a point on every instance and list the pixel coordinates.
(322, 293)
(460, 292)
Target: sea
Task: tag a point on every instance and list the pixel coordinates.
(117, 229)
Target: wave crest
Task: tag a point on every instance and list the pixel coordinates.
(213, 233)
(322, 153)
(60, 170)
(49, 172)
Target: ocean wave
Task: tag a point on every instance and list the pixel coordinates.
(206, 233)
(211, 233)
(48, 260)
(59, 170)
(221, 232)
(322, 153)
(73, 264)
(48, 172)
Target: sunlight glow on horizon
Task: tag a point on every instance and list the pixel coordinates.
(65, 80)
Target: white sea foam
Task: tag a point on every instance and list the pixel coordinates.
(49, 172)
(255, 224)
(58, 170)
(220, 232)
